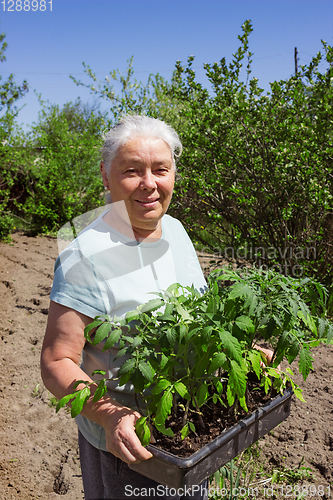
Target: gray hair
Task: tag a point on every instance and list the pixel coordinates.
(131, 126)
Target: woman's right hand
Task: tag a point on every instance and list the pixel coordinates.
(63, 344)
(121, 438)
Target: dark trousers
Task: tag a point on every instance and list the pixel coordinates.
(107, 477)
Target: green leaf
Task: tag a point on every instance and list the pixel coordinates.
(182, 312)
(230, 394)
(142, 430)
(181, 389)
(289, 371)
(151, 305)
(126, 367)
(305, 362)
(206, 333)
(146, 370)
(90, 327)
(171, 335)
(125, 378)
(164, 361)
(102, 332)
(237, 379)
(137, 380)
(172, 288)
(294, 305)
(293, 351)
(182, 331)
(164, 406)
(202, 394)
(253, 305)
(212, 304)
(231, 345)
(245, 323)
(239, 290)
(298, 393)
(242, 402)
(185, 431)
(322, 325)
(63, 401)
(217, 362)
(282, 344)
(161, 428)
(215, 288)
(266, 382)
(136, 342)
(106, 317)
(218, 384)
(161, 386)
(132, 315)
(100, 391)
(78, 382)
(98, 372)
(121, 352)
(79, 401)
(255, 359)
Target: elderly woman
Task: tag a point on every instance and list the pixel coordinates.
(131, 250)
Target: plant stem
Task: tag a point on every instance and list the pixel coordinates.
(174, 403)
(186, 411)
(138, 404)
(201, 422)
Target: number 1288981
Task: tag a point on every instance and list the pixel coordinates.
(26, 5)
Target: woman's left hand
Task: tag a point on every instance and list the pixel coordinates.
(268, 353)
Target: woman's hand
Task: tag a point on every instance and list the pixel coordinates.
(121, 439)
(61, 352)
(268, 353)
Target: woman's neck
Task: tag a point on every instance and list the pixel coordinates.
(114, 219)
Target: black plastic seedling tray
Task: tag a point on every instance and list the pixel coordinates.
(169, 470)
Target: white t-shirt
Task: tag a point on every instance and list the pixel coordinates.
(104, 272)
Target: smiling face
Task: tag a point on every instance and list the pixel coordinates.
(142, 175)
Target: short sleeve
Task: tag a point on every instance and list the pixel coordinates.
(79, 285)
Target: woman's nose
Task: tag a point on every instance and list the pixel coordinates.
(148, 181)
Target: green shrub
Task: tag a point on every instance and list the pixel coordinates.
(256, 172)
(50, 175)
(6, 227)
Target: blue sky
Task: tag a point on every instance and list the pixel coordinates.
(46, 47)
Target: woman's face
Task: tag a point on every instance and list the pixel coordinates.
(142, 175)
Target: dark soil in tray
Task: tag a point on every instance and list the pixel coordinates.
(216, 418)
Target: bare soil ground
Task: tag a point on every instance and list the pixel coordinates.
(38, 448)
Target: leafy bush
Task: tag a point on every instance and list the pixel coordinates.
(15, 179)
(51, 175)
(12, 152)
(65, 171)
(6, 227)
(256, 170)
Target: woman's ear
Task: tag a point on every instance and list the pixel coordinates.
(104, 174)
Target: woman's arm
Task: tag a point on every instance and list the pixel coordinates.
(61, 352)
